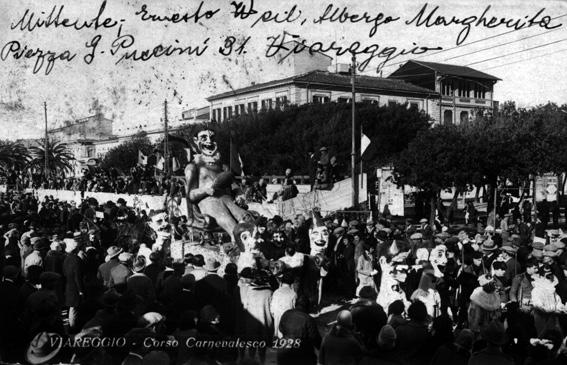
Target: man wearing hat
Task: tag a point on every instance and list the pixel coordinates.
(55, 256)
(73, 274)
(521, 289)
(490, 253)
(340, 346)
(121, 272)
(508, 256)
(495, 336)
(140, 285)
(111, 261)
(35, 257)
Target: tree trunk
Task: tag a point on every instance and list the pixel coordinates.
(433, 207)
(453, 207)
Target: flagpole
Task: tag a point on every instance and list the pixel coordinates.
(353, 141)
(166, 140)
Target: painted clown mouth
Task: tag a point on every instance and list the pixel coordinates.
(208, 148)
(320, 242)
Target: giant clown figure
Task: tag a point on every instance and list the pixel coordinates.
(208, 187)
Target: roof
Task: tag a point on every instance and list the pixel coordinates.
(454, 70)
(325, 78)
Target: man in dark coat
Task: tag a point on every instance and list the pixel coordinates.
(73, 274)
(111, 261)
(9, 310)
(298, 326)
(339, 345)
(413, 335)
(213, 289)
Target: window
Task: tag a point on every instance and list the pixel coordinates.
(343, 100)
(414, 104)
(321, 99)
(370, 100)
(464, 116)
(281, 101)
(447, 88)
(447, 117)
(217, 114)
(266, 104)
(253, 107)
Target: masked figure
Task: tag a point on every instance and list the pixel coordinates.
(317, 264)
(208, 188)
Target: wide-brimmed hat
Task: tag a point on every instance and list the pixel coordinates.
(339, 230)
(484, 279)
(353, 231)
(211, 264)
(125, 257)
(112, 252)
(488, 245)
(550, 250)
(152, 318)
(42, 348)
(509, 247)
(423, 220)
(416, 236)
(70, 244)
(494, 333)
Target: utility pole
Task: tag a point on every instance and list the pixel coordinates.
(165, 140)
(45, 147)
(353, 141)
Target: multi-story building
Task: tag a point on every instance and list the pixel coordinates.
(461, 91)
(317, 86)
(448, 93)
(93, 127)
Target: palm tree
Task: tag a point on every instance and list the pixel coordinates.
(13, 157)
(59, 157)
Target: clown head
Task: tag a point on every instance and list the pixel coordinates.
(438, 258)
(206, 142)
(245, 236)
(318, 235)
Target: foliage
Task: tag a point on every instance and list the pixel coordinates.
(59, 158)
(13, 156)
(125, 156)
(273, 140)
(514, 145)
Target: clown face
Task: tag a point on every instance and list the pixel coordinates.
(278, 239)
(206, 142)
(438, 258)
(249, 240)
(319, 239)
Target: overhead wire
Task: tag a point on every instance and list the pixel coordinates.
(527, 59)
(464, 45)
(516, 52)
(502, 44)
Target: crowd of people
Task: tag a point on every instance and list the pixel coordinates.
(103, 274)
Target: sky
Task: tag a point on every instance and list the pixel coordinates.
(529, 61)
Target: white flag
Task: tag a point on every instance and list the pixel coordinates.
(161, 163)
(364, 143)
(142, 159)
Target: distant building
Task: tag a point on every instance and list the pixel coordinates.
(448, 93)
(195, 115)
(94, 127)
(317, 87)
(461, 91)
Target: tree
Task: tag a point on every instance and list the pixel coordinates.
(125, 156)
(59, 158)
(432, 162)
(271, 141)
(13, 157)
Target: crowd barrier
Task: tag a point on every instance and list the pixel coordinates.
(338, 198)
